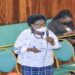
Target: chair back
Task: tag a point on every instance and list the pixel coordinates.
(66, 52)
(7, 61)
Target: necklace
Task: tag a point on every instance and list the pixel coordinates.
(41, 37)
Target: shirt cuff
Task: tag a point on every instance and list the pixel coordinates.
(20, 50)
(23, 49)
(57, 46)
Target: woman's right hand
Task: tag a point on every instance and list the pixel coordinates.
(35, 50)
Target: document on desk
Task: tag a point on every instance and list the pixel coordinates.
(72, 65)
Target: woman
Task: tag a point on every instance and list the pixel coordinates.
(62, 24)
(34, 47)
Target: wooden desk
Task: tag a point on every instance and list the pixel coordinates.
(6, 46)
(65, 36)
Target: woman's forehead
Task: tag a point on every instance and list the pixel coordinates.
(40, 21)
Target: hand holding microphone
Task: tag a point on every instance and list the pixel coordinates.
(49, 39)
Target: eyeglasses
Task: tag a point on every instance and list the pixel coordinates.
(39, 24)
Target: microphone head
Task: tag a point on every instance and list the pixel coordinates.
(47, 33)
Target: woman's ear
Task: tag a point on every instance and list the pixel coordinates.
(33, 26)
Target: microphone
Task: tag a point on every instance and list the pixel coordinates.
(47, 33)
